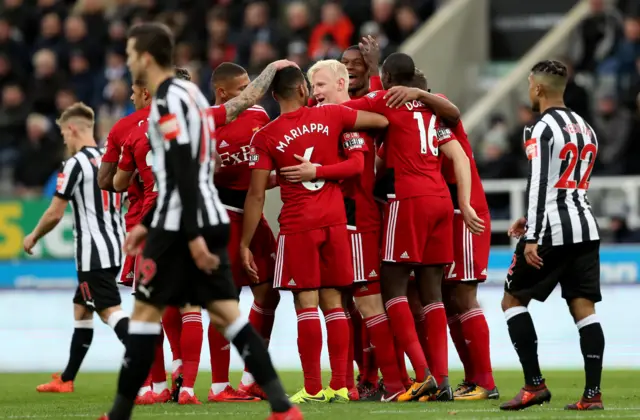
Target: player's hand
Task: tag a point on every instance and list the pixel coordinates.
(399, 95)
(281, 64)
(246, 256)
(370, 52)
(29, 242)
(471, 219)
(531, 255)
(205, 260)
(304, 172)
(134, 239)
(518, 228)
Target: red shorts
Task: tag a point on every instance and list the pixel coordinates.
(314, 259)
(365, 253)
(263, 247)
(128, 271)
(419, 230)
(363, 289)
(471, 252)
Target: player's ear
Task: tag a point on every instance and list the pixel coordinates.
(273, 95)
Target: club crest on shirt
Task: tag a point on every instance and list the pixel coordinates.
(531, 148)
(60, 180)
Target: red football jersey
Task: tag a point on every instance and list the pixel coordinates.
(115, 140)
(233, 142)
(316, 134)
(360, 189)
(136, 154)
(411, 142)
(478, 199)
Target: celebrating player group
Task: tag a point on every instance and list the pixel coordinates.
(384, 226)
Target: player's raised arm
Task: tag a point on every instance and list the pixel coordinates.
(452, 149)
(256, 89)
(538, 154)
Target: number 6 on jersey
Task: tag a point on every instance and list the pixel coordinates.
(314, 185)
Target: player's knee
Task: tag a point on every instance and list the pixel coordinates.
(266, 296)
(466, 297)
(145, 312)
(581, 308)
(510, 301)
(306, 299)
(81, 313)
(330, 299)
(370, 305)
(190, 308)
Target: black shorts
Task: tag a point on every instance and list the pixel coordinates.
(170, 277)
(576, 267)
(97, 289)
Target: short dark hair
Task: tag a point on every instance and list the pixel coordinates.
(350, 48)
(286, 81)
(226, 71)
(419, 80)
(182, 74)
(156, 39)
(400, 68)
(550, 67)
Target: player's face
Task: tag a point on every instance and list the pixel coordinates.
(357, 69)
(233, 87)
(138, 96)
(135, 61)
(67, 132)
(326, 86)
(534, 94)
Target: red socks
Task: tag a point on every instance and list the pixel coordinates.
(338, 344)
(455, 330)
(172, 323)
(437, 345)
(158, 374)
(191, 345)
(219, 350)
(400, 316)
(383, 346)
(476, 335)
(262, 320)
(309, 348)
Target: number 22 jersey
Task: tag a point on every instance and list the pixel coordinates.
(315, 134)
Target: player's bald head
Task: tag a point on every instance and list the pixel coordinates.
(398, 70)
(552, 75)
(287, 83)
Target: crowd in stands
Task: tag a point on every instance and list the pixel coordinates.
(56, 52)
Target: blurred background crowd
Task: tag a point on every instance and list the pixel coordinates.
(55, 52)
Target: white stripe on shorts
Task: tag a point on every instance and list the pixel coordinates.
(277, 275)
(391, 231)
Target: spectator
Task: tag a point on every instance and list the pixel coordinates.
(8, 73)
(13, 114)
(297, 52)
(298, 21)
(612, 124)
(47, 79)
(40, 155)
(50, 34)
(596, 38)
(117, 106)
(576, 97)
(407, 21)
(117, 35)
(10, 46)
(92, 12)
(262, 53)
(383, 15)
(257, 28)
(64, 99)
(334, 23)
(627, 54)
(516, 138)
(373, 29)
(327, 49)
(81, 79)
(19, 15)
(77, 41)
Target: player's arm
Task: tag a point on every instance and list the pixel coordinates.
(462, 169)
(144, 159)
(381, 164)
(174, 127)
(256, 90)
(371, 53)
(68, 181)
(537, 150)
(125, 169)
(109, 162)
(444, 108)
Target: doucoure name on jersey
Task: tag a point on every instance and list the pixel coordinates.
(299, 131)
(411, 105)
(236, 158)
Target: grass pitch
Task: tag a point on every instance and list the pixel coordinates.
(94, 392)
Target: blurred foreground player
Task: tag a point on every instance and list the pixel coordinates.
(313, 244)
(419, 222)
(99, 234)
(330, 81)
(185, 259)
(232, 179)
(136, 156)
(559, 241)
(467, 324)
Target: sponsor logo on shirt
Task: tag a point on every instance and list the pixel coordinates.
(444, 133)
(531, 148)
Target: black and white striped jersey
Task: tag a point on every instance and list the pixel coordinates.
(181, 134)
(561, 148)
(98, 231)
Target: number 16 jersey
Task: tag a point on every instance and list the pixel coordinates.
(315, 134)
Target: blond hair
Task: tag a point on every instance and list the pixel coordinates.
(79, 110)
(338, 69)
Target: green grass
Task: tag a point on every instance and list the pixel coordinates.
(94, 393)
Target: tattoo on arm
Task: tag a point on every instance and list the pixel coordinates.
(251, 94)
